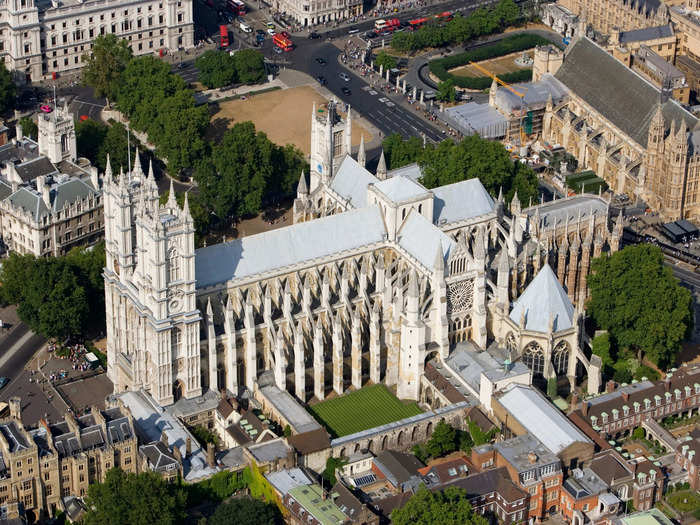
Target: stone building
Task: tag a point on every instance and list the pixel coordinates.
(43, 466)
(607, 16)
(688, 457)
(39, 38)
(315, 12)
(626, 129)
(50, 201)
(378, 276)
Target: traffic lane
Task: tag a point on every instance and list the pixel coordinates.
(13, 358)
(81, 108)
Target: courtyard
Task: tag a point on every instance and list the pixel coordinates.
(498, 66)
(368, 407)
(284, 115)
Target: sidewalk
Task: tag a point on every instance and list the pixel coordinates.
(212, 95)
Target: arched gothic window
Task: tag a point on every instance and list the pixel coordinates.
(560, 357)
(533, 357)
(173, 265)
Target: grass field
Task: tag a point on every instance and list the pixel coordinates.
(497, 66)
(365, 408)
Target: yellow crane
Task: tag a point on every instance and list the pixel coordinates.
(509, 88)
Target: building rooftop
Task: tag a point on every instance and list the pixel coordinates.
(471, 118)
(536, 95)
(421, 239)
(647, 517)
(461, 201)
(469, 364)
(286, 480)
(488, 481)
(647, 33)
(517, 452)
(351, 181)
(401, 189)
(410, 171)
(558, 212)
(270, 450)
(397, 467)
(541, 418)
(299, 419)
(159, 457)
(583, 483)
(288, 246)
(323, 509)
(544, 302)
(657, 65)
(623, 96)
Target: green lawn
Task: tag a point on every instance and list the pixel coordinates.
(365, 408)
(684, 501)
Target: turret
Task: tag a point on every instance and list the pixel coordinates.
(381, 167)
(361, 155)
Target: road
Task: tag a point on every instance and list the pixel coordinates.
(16, 349)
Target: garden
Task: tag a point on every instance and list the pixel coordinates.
(442, 67)
(586, 182)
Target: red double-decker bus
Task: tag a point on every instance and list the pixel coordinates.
(223, 31)
(283, 42)
(237, 7)
(444, 17)
(416, 23)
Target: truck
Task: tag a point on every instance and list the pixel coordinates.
(282, 42)
(223, 31)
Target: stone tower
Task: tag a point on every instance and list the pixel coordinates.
(57, 135)
(331, 141)
(152, 316)
(547, 59)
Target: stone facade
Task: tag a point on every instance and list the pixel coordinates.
(40, 38)
(315, 12)
(607, 16)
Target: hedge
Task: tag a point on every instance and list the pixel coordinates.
(511, 44)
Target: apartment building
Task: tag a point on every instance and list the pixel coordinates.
(314, 12)
(40, 38)
(50, 201)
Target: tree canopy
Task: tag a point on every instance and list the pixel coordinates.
(246, 169)
(8, 90)
(250, 66)
(218, 68)
(386, 60)
(29, 127)
(248, 511)
(474, 157)
(57, 297)
(443, 441)
(106, 62)
(448, 507)
(446, 91)
(636, 298)
(134, 499)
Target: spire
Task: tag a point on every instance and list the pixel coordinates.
(137, 163)
(500, 194)
(302, 188)
(515, 203)
(108, 170)
(172, 203)
(503, 265)
(122, 179)
(186, 206)
(361, 156)
(381, 167)
(412, 284)
(151, 176)
(209, 310)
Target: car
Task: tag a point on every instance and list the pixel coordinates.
(353, 31)
(345, 77)
(321, 61)
(244, 27)
(314, 35)
(385, 33)
(271, 32)
(46, 108)
(181, 66)
(277, 50)
(322, 80)
(371, 34)
(346, 91)
(259, 32)
(270, 25)
(4, 381)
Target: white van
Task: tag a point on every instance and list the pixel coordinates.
(245, 27)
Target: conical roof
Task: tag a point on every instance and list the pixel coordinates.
(544, 298)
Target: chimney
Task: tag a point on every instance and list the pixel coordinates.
(164, 438)
(584, 408)
(177, 454)
(610, 386)
(574, 400)
(625, 396)
(44, 190)
(15, 408)
(210, 455)
(188, 447)
(532, 458)
(667, 384)
(18, 132)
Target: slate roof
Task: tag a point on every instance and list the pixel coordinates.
(397, 467)
(557, 211)
(492, 480)
(410, 171)
(351, 181)
(608, 466)
(299, 419)
(33, 168)
(287, 246)
(310, 442)
(159, 456)
(285, 480)
(541, 418)
(400, 189)
(421, 239)
(460, 201)
(624, 98)
(62, 194)
(648, 33)
(544, 299)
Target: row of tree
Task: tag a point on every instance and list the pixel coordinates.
(8, 90)
(473, 157)
(58, 297)
(482, 21)
(219, 68)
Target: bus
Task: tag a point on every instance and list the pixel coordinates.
(283, 42)
(446, 16)
(416, 23)
(223, 31)
(379, 24)
(237, 7)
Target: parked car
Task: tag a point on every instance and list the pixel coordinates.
(346, 91)
(277, 50)
(314, 35)
(245, 27)
(345, 77)
(321, 61)
(271, 31)
(4, 381)
(322, 80)
(371, 34)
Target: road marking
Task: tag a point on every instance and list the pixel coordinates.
(18, 344)
(372, 92)
(88, 103)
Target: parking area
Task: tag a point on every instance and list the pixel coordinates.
(83, 393)
(39, 400)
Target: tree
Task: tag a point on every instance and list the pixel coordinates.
(448, 507)
(250, 66)
(134, 499)
(386, 60)
(248, 511)
(8, 90)
(89, 136)
(216, 69)
(443, 441)
(399, 152)
(446, 91)
(638, 434)
(506, 12)
(329, 472)
(29, 128)
(635, 297)
(105, 64)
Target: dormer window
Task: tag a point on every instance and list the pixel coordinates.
(626, 410)
(687, 391)
(636, 407)
(697, 388)
(615, 413)
(647, 403)
(678, 394)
